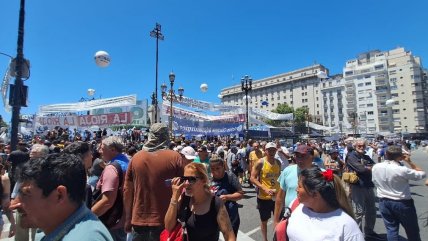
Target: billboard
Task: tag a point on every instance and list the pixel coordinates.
(138, 112)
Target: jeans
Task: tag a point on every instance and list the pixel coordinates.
(118, 234)
(363, 202)
(146, 233)
(396, 212)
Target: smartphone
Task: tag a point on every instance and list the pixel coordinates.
(168, 182)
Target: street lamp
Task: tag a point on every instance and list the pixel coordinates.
(156, 33)
(18, 91)
(171, 95)
(246, 86)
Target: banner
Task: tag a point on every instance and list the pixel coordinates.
(89, 105)
(104, 120)
(4, 88)
(138, 112)
(207, 128)
(188, 114)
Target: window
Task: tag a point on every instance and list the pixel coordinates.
(368, 83)
(369, 112)
(360, 84)
(378, 67)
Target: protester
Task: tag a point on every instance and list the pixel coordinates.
(362, 193)
(24, 234)
(5, 201)
(146, 197)
(255, 155)
(110, 185)
(226, 186)
(206, 214)
(288, 180)
(16, 159)
(324, 212)
(51, 198)
(391, 178)
(83, 150)
(282, 155)
(265, 176)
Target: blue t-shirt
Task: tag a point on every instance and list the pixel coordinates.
(288, 182)
(122, 160)
(81, 225)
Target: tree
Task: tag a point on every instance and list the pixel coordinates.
(281, 109)
(2, 123)
(300, 116)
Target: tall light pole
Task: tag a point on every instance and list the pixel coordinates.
(18, 91)
(172, 96)
(156, 33)
(246, 86)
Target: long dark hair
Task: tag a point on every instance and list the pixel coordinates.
(332, 192)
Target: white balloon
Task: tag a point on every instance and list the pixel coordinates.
(390, 102)
(322, 75)
(102, 59)
(204, 87)
(219, 96)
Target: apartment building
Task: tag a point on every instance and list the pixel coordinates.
(357, 101)
(298, 88)
(374, 78)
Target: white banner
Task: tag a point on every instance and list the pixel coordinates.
(4, 88)
(138, 112)
(89, 105)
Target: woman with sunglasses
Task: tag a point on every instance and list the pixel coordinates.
(5, 201)
(324, 212)
(206, 214)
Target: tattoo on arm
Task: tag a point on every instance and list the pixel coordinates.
(224, 222)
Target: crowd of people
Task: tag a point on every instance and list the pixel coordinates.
(105, 188)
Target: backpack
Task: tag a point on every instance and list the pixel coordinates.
(281, 228)
(114, 214)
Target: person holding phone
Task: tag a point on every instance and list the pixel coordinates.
(206, 213)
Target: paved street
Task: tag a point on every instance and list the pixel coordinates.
(250, 221)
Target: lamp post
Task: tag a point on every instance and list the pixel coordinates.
(246, 86)
(156, 33)
(172, 96)
(18, 91)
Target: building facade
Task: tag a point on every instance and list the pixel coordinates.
(386, 92)
(379, 92)
(298, 88)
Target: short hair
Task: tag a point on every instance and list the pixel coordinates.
(115, 142)
(54, 170)
(41, 149)
(393, 152)
(216, 160)
(77, 148)
(358, 140)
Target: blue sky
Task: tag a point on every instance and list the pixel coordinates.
(213, 42)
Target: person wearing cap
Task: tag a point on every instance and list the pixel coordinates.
(146, 196)
(264, 176)
(288, 180)
(332, 161)
(188, 154)
(391, 178)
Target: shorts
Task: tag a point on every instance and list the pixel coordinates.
(265, 207)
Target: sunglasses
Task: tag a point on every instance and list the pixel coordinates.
(299, 155)
(190, 179)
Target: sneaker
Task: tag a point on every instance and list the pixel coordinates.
(373, 236)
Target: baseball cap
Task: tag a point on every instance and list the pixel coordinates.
(189, 152)
(304, 149)
(270, 145)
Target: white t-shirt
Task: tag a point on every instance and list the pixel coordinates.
(282, 158)
(306, 225)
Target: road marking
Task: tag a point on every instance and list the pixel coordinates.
(245, 236)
